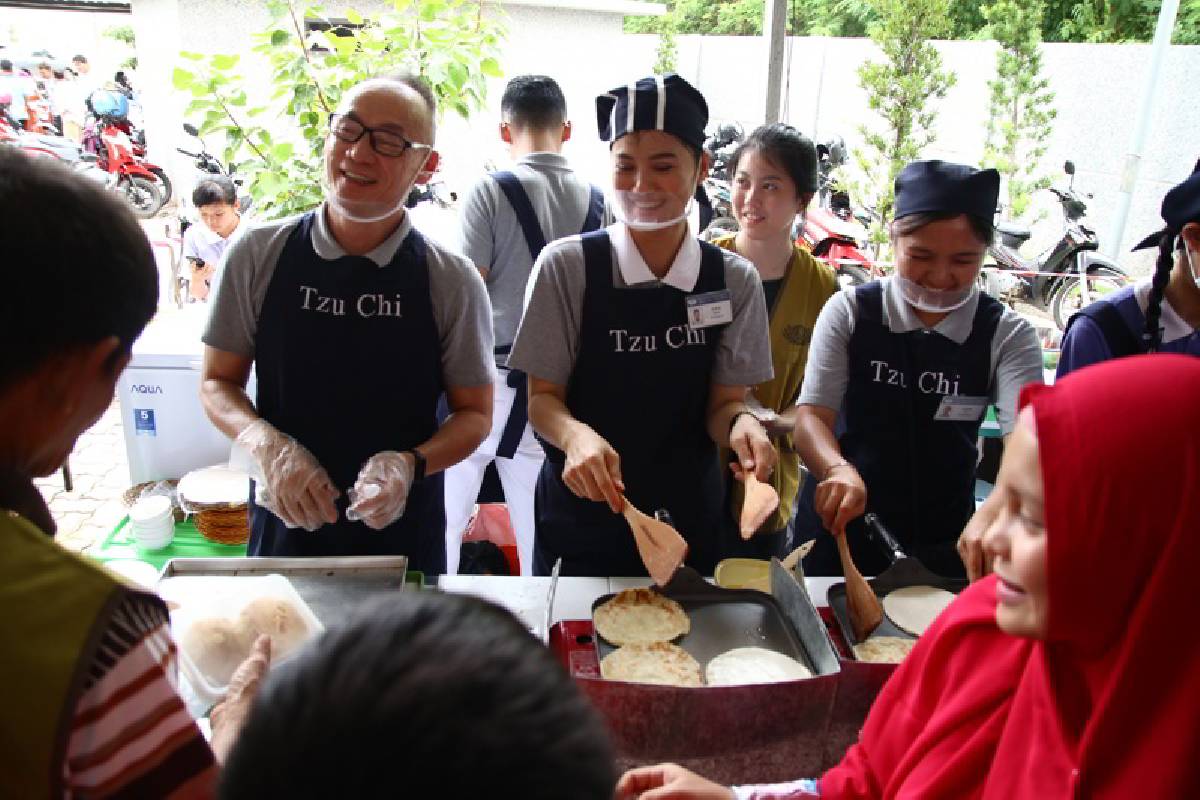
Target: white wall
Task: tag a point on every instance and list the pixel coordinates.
(1097, 87)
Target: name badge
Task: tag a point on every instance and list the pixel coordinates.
(709, 309)
(957, 408)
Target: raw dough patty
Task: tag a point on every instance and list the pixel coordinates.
(744, 665)
(914, 608)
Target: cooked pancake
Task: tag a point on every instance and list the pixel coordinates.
(745, 665)
(884, 649)
(659, 662)
(640, 616)
(914, 608)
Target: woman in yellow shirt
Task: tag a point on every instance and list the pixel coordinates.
(774, 175)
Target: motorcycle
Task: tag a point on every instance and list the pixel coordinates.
(44, 146)
(830, 229)
(1053, 280)
(104, 137)
(720, 147)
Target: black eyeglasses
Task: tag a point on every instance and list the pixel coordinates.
(385, 142)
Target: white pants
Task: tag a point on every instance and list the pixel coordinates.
(518, 476)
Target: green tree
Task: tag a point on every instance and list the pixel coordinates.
(1021, 109)
(124, 33)
(901, 90)
(276, 145)
(667, 54)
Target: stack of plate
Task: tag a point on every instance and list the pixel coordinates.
(218, 497)
(148, 489)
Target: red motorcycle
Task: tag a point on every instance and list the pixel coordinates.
(136, 177)
(830, 229)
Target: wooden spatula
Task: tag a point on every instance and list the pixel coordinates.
(759, 502)
(866, 612)
(661, 547)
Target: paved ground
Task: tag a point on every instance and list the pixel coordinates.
(101, 473)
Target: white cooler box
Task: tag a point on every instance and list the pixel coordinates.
(167, 433)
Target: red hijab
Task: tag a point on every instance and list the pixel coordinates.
(1108, 706)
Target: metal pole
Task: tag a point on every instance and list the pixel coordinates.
(1133, 160)
(774, 31)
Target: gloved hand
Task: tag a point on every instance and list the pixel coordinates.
(381, 491)
(291, 483)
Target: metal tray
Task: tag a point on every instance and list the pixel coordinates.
(723, 619)
(906, 572)
(332, 587)
(758, 733)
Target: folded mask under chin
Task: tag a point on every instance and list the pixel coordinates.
(934, 301)
(647, 211)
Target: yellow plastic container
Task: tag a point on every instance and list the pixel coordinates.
(744, 573)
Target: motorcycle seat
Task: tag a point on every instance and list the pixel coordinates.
(1013, 232)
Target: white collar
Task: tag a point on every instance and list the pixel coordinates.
(684, 271)
(328, 248)
(1173, 325)
(899, 316)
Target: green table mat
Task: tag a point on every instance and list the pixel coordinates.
(188, 543)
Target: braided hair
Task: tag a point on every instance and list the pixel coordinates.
(1152, 336)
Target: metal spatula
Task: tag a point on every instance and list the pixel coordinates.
(759, 502)
(661, 547)
(866, 612)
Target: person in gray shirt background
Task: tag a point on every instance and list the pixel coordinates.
(506, 220)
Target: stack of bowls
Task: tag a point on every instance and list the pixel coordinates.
(153, 522)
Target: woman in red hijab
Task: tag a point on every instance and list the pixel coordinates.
(1072, 671)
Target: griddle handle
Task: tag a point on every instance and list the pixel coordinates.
(884, 537)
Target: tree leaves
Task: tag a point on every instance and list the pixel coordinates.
(275, 142)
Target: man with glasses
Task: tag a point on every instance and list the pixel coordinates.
(355, 324)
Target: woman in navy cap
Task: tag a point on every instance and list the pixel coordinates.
(1159, 314)
(911, 361)
(640, 343)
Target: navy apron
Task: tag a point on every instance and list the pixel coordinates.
(919, 472)
(641, 380)
(535, 239)
(349, 363)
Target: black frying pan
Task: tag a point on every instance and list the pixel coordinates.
(905, 571)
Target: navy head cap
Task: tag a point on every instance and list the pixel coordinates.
(1179, 207)
(658, 103)
(942, 187)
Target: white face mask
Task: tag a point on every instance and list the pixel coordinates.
(934, 301)
(357, 210)
(648, 211)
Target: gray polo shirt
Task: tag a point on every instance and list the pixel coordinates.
(1016, 355)
(460, 305)
(492, 237)
(548, 340)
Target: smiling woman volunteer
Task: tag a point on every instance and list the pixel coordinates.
(912, 361)
(774, 179)
(640, 342)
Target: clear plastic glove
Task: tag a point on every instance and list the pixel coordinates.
(381, 491)
(291, 483)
